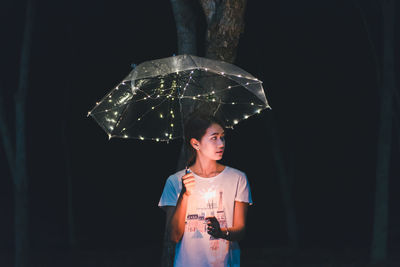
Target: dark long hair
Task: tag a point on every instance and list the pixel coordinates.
(195, 127)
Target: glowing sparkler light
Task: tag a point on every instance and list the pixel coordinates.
(209, 194)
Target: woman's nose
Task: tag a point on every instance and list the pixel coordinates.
(221, 143)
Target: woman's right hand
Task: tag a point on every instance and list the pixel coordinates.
(188, 183)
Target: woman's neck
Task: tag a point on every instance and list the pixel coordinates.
(206, 168)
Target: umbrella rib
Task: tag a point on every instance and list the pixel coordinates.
(108, 109)
(144, 114)
(122, 114)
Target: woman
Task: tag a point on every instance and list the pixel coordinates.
(206, 204)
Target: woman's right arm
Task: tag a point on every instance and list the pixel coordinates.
(176, 215)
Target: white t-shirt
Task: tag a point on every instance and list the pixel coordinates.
(213, 196)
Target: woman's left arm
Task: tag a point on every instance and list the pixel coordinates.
(238, 230)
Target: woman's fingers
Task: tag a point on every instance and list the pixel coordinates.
(188, 182)
(187, 176)
(211, 220)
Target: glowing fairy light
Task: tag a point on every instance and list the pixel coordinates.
(141, 137)
(111, 120)
(125, 136)
(246, 116)
(161, 115)
(252, 103)
(235, 121)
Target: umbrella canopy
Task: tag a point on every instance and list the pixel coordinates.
(153, 101)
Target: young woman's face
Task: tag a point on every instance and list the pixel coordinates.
(212, 144)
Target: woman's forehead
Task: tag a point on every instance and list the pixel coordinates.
(214, 129)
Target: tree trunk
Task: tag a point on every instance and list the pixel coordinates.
(225, 23)
(224, 26)
(21, 185)
(21, 211)
(285, 184)
(21, 219)
(380, 227)
(185, 20)
(6, 135)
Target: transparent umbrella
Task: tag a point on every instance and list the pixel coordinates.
(152, 102)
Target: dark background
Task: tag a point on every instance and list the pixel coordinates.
(319, 77)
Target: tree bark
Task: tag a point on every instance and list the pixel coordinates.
(185, 21)
(380, 227)
(225, 23)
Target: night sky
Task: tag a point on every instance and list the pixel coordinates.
(319, 76)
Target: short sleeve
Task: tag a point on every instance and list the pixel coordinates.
(171, 192)
(243, 193)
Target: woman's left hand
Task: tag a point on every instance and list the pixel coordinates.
(213, 227)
